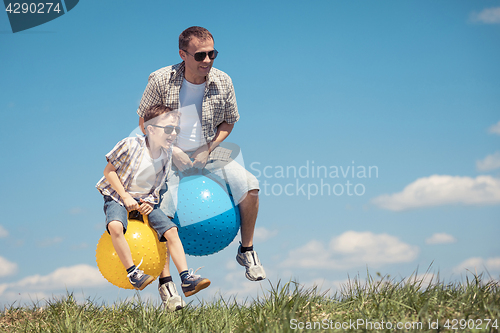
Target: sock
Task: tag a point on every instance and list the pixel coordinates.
(183, 275)
(164, 280)
(245, 249)
(130, 269)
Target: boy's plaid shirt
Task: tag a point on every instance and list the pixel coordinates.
(126, 157)
(219, 101)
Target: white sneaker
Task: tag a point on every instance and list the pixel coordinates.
(254, 269)
(171, 299)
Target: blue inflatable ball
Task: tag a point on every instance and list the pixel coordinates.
(207, 218)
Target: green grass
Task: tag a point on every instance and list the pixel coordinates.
(361, 306)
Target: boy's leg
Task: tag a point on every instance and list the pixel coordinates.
(171, 299)
(167, 231)
(116, 225)
(115, 229)
(191, 284)
(166, 269)
(175, 249)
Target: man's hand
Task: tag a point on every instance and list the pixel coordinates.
(181, 160)
(145, 208)
(200, 157)
(130, 203)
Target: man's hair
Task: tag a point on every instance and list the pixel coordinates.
(151, 115)
(189, 33)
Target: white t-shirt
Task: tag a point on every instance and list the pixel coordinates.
(145, 177)
(190, 100)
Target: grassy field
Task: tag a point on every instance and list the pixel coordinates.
(378, 304)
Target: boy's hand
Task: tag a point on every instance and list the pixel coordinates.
(130, 203)
(145, 208)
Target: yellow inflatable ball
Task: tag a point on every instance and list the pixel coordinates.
(145, 247)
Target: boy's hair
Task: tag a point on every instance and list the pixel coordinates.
(191, 32)
(151, 115)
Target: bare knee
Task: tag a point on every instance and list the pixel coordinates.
(171, 235)
(254, 192)
(115, 228)
(251, 198)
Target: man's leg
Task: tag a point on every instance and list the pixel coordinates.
(244, 188)
(249, 208)
(246, 256)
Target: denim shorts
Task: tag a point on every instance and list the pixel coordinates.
(157, 218)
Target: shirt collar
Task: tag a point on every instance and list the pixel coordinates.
(178, 74)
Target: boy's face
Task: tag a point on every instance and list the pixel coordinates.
(158, 135)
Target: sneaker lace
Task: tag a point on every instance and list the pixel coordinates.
(192, 274)
(137, 271)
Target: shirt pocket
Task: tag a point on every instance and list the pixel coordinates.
(216, 107)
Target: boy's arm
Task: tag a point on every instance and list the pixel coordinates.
(116, 184)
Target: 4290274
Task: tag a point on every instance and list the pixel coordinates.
(455, 324)
(33, 8)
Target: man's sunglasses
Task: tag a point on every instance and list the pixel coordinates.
(200, 56)
(169, 129)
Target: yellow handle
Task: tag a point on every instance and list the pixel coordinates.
(146, 219)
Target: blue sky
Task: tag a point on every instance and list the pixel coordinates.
(409, 88)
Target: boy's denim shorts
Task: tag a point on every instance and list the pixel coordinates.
(157, 218)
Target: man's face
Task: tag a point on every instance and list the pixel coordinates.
(158, 135)
(196, 71)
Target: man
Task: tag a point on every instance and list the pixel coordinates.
(205, 97)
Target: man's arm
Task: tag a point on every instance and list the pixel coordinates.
(201, 155)
(223, 131)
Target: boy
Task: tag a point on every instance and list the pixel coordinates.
(136, 170)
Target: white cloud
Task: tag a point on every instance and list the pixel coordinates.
(65, 277)
(352, 249)
(330, 287)
(478, 264)
(75, 211)
(80, 246)
(487, 16)
(263, 234)
(439, 190)
(490, 162)
(260, 235)
(236, 286)
(495, 129)
(3, 232)
(7, 267)
(50, 241)
(440, 238)
(423, 280)
(245, 287)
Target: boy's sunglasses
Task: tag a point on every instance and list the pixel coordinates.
(200, 56)
(169, 129)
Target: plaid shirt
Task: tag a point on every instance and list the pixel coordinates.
(126, 157)
(219, 100)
